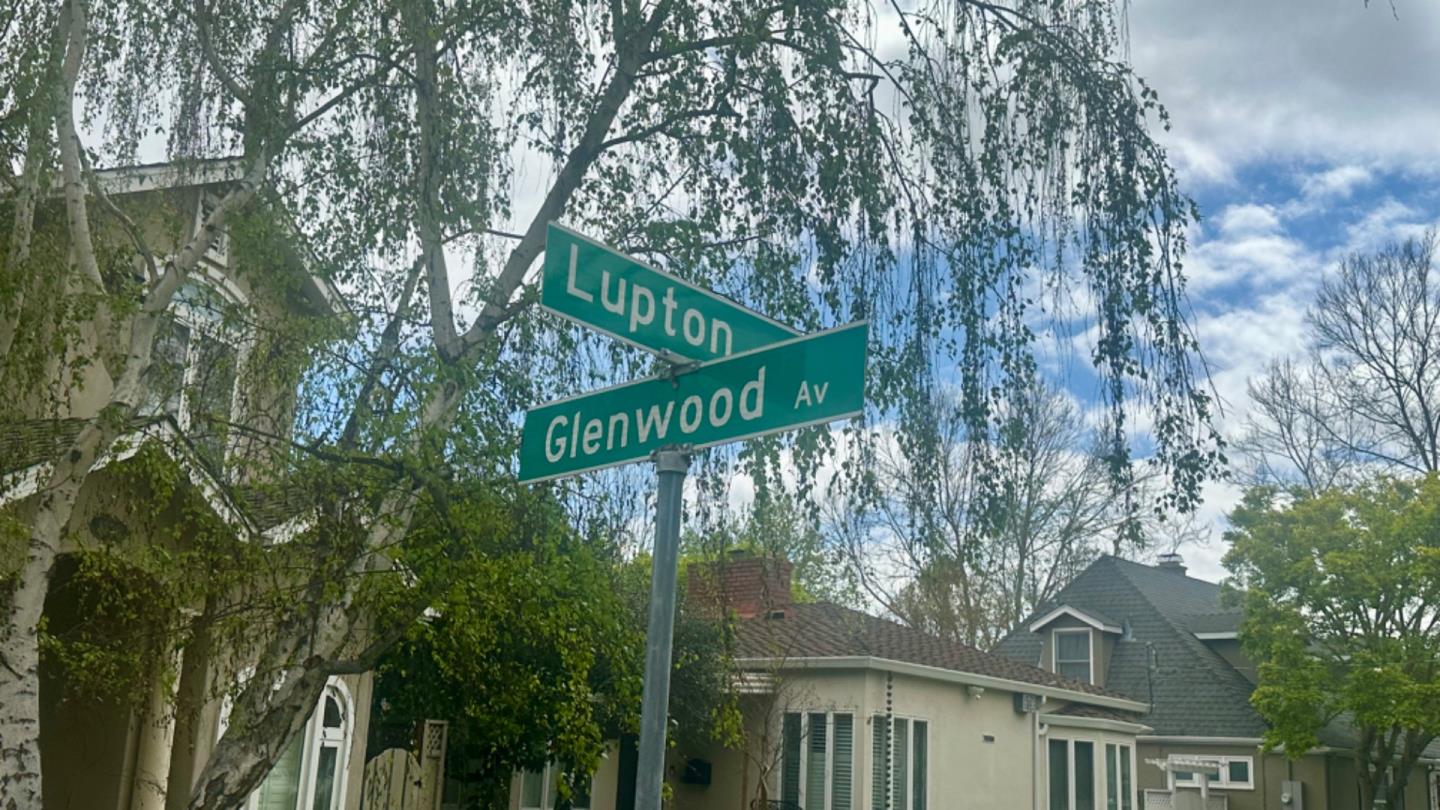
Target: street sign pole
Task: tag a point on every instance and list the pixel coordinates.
(671, 465)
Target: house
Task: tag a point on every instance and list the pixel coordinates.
(845, 711)
(1162, 637)
(145, 752)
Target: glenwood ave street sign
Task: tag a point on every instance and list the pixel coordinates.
(599, 287)
(802, 381)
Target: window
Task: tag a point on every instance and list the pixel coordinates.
(1236, 773)
(540, 790)
(1071, 766)
(1119, 789)
(819, 760)
(310, 775)
(900, 768)
(194, 366)
(1072, 654)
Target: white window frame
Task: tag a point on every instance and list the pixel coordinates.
(804, 764)
(910, 721)
(550, 777)
(1089, 650)
(315, 737)
(1127, 750)
(1097, 766)
(1221, 782)
(197, 325)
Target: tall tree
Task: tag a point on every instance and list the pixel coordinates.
(1366, 398)
(771, 151)
(1341, 592)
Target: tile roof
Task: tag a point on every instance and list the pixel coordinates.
(825, 630)
(1192, 690)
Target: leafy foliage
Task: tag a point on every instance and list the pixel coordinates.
(1341, 592)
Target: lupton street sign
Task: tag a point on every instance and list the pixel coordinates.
(802, 381)
(599, 287)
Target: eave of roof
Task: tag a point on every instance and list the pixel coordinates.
(868, 662)
(1090, 618)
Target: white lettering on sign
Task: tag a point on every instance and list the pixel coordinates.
(570, 281)
(575, 434)
(640, 306)
(806, 391)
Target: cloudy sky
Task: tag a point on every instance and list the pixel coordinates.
(1305, 129)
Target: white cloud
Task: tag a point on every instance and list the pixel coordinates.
(1332, 82)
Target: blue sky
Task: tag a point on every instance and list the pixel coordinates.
(1305, 130)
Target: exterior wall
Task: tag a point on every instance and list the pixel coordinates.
(982, 754)
(1344, 787)
(1269, 772)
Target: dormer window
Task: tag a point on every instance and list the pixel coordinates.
(218, 250)
(1072, 651)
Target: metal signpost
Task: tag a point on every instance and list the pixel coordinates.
(736, 374)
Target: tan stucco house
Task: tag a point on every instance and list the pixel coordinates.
(1160, 636)
(146, 754)
(845, 711)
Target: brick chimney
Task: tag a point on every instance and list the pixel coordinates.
(748, 585)
(1172, 562)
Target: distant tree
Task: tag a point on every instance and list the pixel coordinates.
(1341, 592)
(969, 544)
(1366, 397)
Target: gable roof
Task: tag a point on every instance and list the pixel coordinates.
(1191, 689)
(826, 630)
(1093, 618)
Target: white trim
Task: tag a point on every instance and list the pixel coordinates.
(313, 738)
(942, 674)
(1089, 650)
(803, 765)
(909, 777)
(1075, 613)
(1228, 635)
(1095, 723)
(1222, 764)
(1163, 739)
(134, 179)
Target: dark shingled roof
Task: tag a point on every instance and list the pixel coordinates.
(827, 630)
(1192, 690)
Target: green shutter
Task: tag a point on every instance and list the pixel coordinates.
(790, 766)
(1084, 775)
(1125, 787)
(899, 787)
(921, 775)
(1059, 764)
(842, 775)
(879, 762)
(815, 764)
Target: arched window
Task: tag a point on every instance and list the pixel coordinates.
(310, 775)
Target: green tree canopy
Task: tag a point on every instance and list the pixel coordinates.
(1341, 592)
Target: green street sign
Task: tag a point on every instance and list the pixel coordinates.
(599, 287)
(803, 381)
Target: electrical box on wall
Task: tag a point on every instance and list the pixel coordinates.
(1292, 795)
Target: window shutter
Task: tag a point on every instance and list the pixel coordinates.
(790, 765)
(921, 766)
(815, 764)
(898, 785)
(842, 776)
(879, 762)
